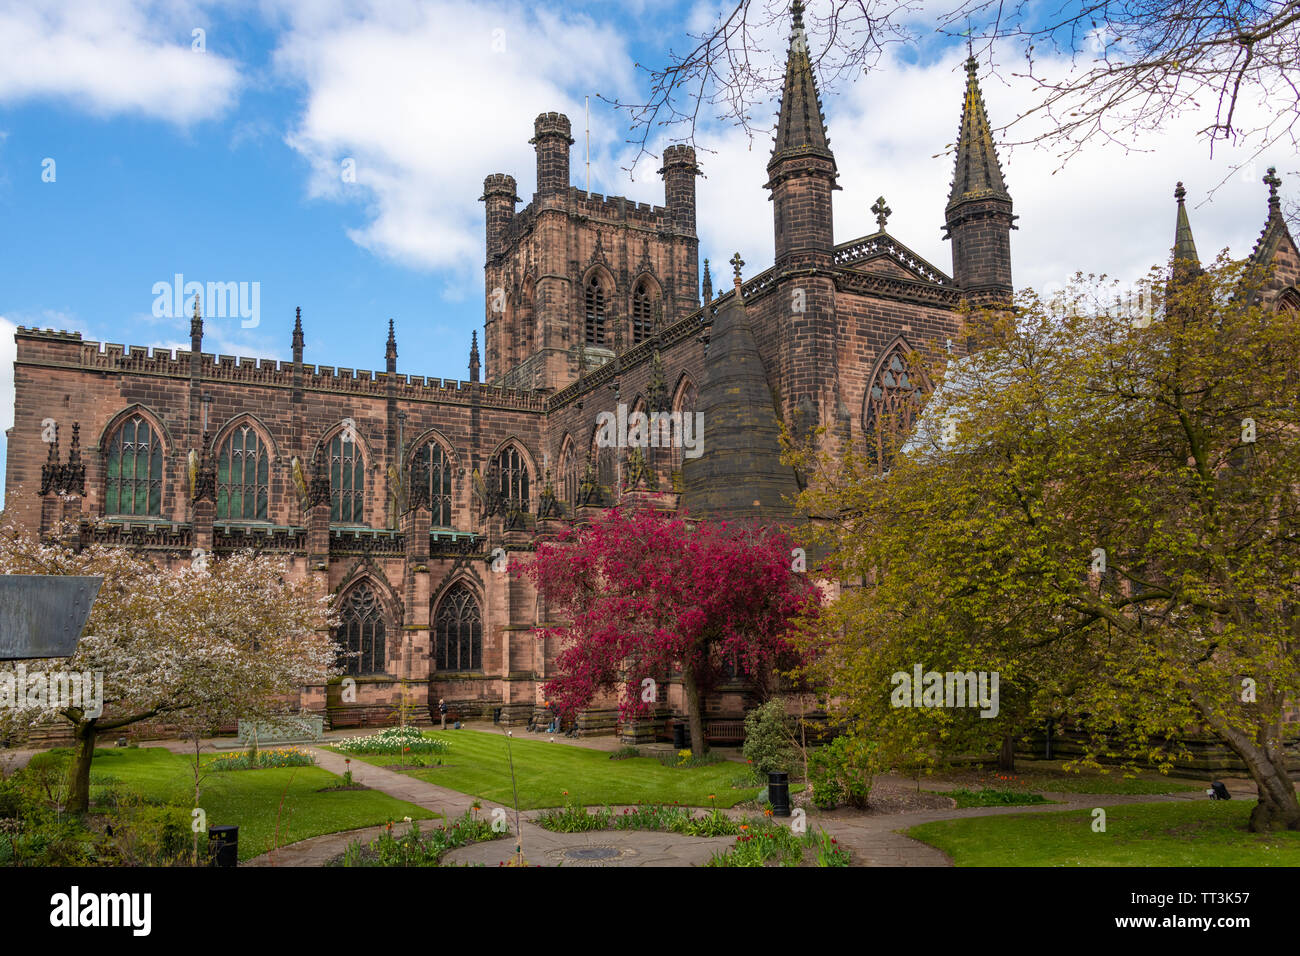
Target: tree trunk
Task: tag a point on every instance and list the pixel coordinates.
(1265, 758)
(699, 746)
(1278, 807)
(83, 753)
(1007, 756)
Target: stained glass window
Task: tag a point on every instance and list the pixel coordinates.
(893, 400)
(433, 464)
(134, 472)
(459, 629)
(360, 634)
(347, 480)
(242, 476)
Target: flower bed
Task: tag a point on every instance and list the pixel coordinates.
(416, 848)
(393, 740)
(262, 759)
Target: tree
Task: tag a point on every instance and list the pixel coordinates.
(1136, 63)
(208, 642)
(647, 593)
(1102, 502)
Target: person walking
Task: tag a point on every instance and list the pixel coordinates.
(442, 712)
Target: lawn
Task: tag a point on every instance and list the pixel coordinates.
(477, 765)
(1178, 833)
(250, 799)
(1045, 776)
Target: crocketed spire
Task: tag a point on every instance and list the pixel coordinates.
(800, 126)
(1184, 244)
(978, 174)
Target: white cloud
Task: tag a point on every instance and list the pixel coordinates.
(112, 57)
(427, 99)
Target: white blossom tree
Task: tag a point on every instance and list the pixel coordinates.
(204, 644)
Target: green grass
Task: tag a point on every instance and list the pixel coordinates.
(1052, 780)
(250, 799)
(476, 764)
(1179, 833)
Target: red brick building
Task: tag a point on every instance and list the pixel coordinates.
(405, 496)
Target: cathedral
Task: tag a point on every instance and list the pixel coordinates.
(407, 497)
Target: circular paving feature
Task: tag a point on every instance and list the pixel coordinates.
(597, 855)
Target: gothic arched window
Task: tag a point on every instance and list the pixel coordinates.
(570, 471)
(596, 311)
(347, 479)
(687, 399)
(134, 472)
(511, 476)
(242, 476)
(458, 627)
(893, 399)
(524, 320)
(360, 634)
(643, 311)
(433, 465)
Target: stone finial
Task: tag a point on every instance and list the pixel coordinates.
(474, 363)
(1272, 181)
(736, 264)
(390, 352)
(297, 332)
(882, 211)
(708, 284)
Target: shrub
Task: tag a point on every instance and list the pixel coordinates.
(393, 740)
(139, 834)
(768, 745)
(624, 753)
(842, 771)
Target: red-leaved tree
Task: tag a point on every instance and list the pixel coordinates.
(646, 593)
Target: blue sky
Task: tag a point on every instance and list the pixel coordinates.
(225, 164)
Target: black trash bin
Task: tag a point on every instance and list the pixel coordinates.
(223, 845)
(679, 735)
(778, 792)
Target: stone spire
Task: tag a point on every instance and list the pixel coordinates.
(800, 126)
(801, 173)
(738, 473)
(708, 284)
(474, 364)
(297, 334)
(1184, 244)
(978, 174)
(390, 351)
(978, 218)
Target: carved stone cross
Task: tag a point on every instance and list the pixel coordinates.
(882, 211)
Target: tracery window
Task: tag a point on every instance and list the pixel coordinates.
(242, 476)
(570, 472)
(597, 308)
(134, 470)
(643, 312)
(510, 474)
(360, 634)
(458, 625)
(892, 403)
(433, 464)
(347, 480)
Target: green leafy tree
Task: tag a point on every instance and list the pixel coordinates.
(1100, 503)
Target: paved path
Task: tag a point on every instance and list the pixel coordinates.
(873, 838)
